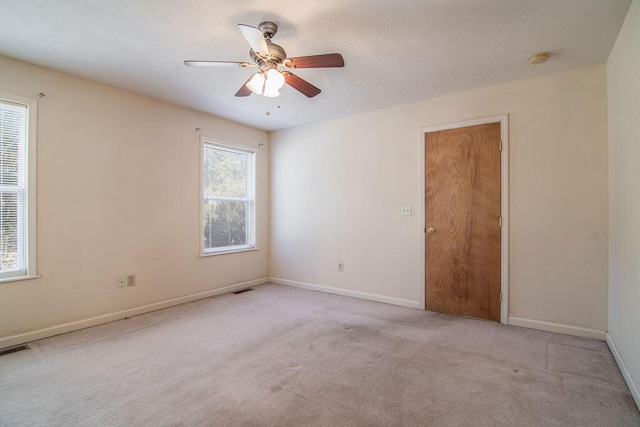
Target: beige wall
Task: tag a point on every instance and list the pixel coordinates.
(623, 76)
(337, 188)
(118, 193)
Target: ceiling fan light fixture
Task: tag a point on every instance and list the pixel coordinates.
(275, 79)
(271, 92)
(257, 83)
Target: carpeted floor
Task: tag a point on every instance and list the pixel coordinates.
(281, 356)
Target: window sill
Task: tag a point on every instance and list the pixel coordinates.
(235, 251)
(19, 278)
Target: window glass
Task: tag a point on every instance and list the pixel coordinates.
(13, 209)
(228, 198)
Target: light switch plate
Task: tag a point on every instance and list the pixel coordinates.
(405, 210)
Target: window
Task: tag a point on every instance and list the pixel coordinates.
(228, 198)
(17, 187)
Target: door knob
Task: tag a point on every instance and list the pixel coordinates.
(431, 230)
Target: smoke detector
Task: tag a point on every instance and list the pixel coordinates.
(539, 58)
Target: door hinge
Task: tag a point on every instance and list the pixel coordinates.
(500, 145)
(500, 221)
(500, 296)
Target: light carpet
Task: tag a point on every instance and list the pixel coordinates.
(281, 356)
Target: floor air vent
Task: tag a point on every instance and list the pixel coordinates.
(242, 291)
(14, 349)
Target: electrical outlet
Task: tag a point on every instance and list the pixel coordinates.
(122, 281)
(405, 210)
(131, 280)
(341, 266)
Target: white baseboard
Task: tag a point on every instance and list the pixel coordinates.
(105, 318)
(633, 387)
(557, 327)
(347, 293)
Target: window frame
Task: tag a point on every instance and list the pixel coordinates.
(250, 222)
(30, 150)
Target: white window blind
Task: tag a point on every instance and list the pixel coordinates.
(13, 197)
(228, 198)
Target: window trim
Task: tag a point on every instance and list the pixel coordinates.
(30, 200)
(252, 244)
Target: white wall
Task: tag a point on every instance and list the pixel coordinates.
(118, 193)
(623, 77)
(337, 188)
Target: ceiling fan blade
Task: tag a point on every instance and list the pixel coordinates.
(316, 61)
(244, 90)
(300, 85)
(218, 64)
(256, 40)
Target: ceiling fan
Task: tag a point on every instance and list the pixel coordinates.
(268, 56)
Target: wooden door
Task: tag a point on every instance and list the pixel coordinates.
(463, 221)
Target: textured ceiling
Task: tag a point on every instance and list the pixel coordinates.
(395, 51)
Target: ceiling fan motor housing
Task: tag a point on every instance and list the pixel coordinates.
(276, 53)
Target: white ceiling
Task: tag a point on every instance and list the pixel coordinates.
(395, 51)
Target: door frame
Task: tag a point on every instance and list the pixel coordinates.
(503, 119)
